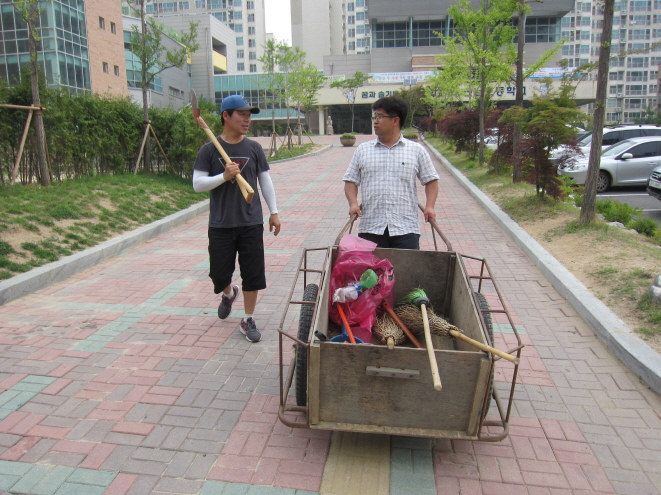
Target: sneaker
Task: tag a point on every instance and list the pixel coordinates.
(225, 307)
(249, 329)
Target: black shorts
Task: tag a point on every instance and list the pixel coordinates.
(225, 244)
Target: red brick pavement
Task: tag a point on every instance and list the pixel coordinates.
(177, 394)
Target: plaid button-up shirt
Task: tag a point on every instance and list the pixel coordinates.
(387, 181)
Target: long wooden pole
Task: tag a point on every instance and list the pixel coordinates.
(21, 107)
(14, 172)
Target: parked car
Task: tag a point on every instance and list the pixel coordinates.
(654, 183)
(628, 163)
(612, 135)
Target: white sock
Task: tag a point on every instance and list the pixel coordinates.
(247, 316)
(232, 293)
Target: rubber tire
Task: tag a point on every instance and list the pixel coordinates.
(304, 324)
(603, 181)
(482, 302)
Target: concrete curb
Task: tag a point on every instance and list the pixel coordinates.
(43, 276)
(636, 355)
(325, 148)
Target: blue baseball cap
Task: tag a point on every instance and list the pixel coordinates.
(237, 102)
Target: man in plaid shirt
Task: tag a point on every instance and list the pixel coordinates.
(386, 169)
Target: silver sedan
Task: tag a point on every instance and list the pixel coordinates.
(627, 163)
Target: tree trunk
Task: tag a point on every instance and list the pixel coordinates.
(518, 95)
(145, 89)
(590, 194)
(483, 88)
(44, 173)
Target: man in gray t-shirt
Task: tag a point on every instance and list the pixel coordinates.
(235, 226)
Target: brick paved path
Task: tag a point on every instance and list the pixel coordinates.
(123, 380)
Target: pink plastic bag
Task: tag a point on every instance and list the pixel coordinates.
(355, 255)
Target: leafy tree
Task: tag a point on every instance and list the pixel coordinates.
(414, 97)
(273, 79)
(349, 88)
(590, 194)
(520, 76)
(30, 12)
(289, 59)
(460, 128)
(305, 82)
(154, 57)
(480, 54)
(544, 128)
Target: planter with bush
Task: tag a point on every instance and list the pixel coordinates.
(348, 139)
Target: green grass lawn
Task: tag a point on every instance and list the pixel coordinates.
(42, 224)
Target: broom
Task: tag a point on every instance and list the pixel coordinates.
(388, 332)
(410, 315)
(419, 298)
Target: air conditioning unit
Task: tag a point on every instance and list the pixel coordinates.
(619, 95)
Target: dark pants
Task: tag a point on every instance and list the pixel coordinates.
(225, 244)
(385, 240)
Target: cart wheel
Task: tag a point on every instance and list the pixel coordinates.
(482, 301)
(304, 324)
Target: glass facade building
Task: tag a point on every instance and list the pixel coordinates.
(63, 51)
(253, 87)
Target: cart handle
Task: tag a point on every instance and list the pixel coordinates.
(434, 227)
(347, 228)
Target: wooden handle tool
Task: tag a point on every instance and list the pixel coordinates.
(484, 347)
(430, 350)
(401, 325)
(247, 191)
(346, 324)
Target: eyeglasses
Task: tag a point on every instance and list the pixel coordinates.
(379, 117)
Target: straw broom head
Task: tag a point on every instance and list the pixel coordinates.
(412, 318)
(386, 327)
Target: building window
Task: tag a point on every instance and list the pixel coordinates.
(350, 7)
(239, 54)
(637, 76)
(250, 5)
(176, 93)
(251, 17)
(352, 45)
(351, 19)
(237, 15)
(543, 29)
(236, 3)
(396, 34)
(635, 62)
(584, 35)
(252, 43)
(200, 4)
(221, 16)
(102, 23)
(360, 29)
(351, 33)
(635, 89)
(639, 34)
(116, 69)
(240, 67)
(184, 5)
(360, 3)
(253, 67)
(252, 55)
(105, 67)
(585, 21)
(640, 5)
(251, 30)
(238, 28)
(239, 41)
(360, 16)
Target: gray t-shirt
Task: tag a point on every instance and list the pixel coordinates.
(228, 208)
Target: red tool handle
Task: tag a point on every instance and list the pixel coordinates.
(346, 324)
(399, 322)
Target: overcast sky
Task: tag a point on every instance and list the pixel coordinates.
(278, 19)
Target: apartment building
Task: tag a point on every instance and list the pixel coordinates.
(81, 45)
(633, 78)
(244, 17)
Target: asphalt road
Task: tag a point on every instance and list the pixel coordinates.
(636, 197)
